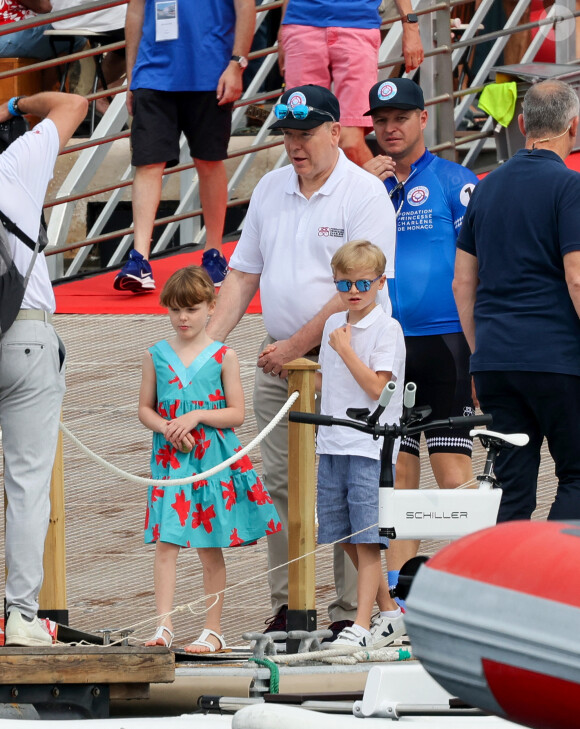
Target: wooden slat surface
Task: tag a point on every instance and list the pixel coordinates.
(112, 665)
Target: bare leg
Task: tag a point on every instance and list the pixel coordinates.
(113, 71)
(213, 195)
(214, 583)
(451, 469)
(164, 574)
(352, 142)
(367, 560)
(146, 196)
(519, 42)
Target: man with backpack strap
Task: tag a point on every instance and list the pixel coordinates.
(31, 354)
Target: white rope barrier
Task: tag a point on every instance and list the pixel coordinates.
(187, 479)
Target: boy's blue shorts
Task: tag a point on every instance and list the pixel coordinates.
(348, 500)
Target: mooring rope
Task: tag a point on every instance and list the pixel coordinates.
(345, 656)
(187, 479)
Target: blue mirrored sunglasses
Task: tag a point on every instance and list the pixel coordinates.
(299, 111)
(362, 285)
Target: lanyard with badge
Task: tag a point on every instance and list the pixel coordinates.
(166, 20)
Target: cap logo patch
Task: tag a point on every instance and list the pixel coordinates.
(386, 91)
(418, 195)
(296, 98)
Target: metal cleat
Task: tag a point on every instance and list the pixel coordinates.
(309, 641)
(264, 643)
(125, 633)
(107, 634)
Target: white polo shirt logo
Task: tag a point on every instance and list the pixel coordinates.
(326, 232)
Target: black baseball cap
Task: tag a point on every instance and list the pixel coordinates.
(318, 98)
(395, 93)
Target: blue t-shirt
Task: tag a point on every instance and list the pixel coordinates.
(197, 58)
(435, 197)
(333, 13)
(522, 219)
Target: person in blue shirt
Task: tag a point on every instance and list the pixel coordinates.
(517, 287)
(430, 196)
(184, 71)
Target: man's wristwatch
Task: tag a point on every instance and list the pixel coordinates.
(242, 61)
(13, 106)
(410, 18)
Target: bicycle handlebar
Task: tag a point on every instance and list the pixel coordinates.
(390, 430)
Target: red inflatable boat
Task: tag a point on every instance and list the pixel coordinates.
(495, 619)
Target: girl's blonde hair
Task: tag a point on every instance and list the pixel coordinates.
(187, 287)
(358, 254)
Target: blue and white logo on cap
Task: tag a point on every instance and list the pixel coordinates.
(387, 91)
(295, 99)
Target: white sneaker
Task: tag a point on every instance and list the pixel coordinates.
(20, 632)
(350, 638)
(385, 631)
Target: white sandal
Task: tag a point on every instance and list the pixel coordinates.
(204, 642)
(160, 635)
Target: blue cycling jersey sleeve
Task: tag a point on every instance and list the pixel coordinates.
(436, 195)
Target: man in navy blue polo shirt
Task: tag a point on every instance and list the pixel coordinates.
(517, 288)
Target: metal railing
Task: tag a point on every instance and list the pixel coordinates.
(443, 56)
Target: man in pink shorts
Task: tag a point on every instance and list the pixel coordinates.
(337, 42)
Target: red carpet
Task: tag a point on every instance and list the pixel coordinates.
(95, 294)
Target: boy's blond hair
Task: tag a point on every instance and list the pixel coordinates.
(358, 254)
(187, 287)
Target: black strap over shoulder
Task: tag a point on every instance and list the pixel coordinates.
(15, 230)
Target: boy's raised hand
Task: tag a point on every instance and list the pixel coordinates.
(339, 339)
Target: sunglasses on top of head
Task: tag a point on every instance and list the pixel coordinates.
(362, 285)
(299, 111)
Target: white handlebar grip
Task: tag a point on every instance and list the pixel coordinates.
(387, 394)
(409, 395)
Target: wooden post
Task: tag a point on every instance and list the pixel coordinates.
(301, 502)
(52, 598)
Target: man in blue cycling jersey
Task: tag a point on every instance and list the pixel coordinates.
(429, 195)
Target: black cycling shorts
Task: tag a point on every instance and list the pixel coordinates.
(439, 365)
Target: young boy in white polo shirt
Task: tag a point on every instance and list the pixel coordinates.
(361, 350)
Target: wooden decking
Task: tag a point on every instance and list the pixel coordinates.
(109, 569)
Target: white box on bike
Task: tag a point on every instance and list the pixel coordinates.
(437, 513)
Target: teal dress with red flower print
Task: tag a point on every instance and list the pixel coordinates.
(226, 510)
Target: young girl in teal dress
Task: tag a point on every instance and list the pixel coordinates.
(191, 397)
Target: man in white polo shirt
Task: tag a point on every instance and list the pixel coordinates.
(31, 358)
(298, 217)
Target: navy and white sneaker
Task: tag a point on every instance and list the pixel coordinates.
(350, 638)
(385, 631)
(135, 276)
(216, 266)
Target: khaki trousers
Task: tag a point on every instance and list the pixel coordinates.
(270, 394)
